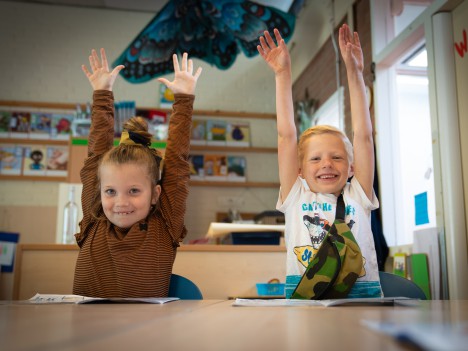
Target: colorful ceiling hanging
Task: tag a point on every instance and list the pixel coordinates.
(213, 31)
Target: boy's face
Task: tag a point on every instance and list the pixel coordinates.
(126, 193)
(325, 165)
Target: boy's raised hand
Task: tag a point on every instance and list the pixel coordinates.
(101, 78)
(350, 48)
(184, 80)
(276, 56)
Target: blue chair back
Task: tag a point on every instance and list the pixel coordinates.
(184, 288)
(395, 286)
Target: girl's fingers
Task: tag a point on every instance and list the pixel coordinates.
(190, 66)
(104, 58)
(85, 70)
(91, 63)
(184, 62)
(96, 59)
(197, 73)
(117, 69)
(176, 63)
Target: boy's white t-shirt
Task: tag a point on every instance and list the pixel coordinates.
(308, 216)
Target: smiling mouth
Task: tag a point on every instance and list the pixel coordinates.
(123, 213)
(327, 176)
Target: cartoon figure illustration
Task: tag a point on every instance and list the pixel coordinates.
(36, 156)
(237, 133)
(58, 160)
(63, 126)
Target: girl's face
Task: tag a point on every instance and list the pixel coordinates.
(126, 193)
(325, 165)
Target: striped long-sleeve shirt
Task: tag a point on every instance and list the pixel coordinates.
(135, 262)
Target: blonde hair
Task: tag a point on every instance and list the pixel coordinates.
(137, 152)
(324, 129)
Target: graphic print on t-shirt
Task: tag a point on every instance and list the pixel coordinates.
(317, 228)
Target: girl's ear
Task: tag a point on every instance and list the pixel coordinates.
(156, 193)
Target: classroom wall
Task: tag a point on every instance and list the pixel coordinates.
(43, 47)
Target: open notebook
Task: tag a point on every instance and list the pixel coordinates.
(78, 299)
(335, 302)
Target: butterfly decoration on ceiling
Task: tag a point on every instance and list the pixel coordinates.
(213, 31)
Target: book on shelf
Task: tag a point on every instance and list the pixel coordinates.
(215, 167)
(236, 168)
(61, 127)
(198, 132)
(197, 171)
(57, 161)
(238, 134)
(166, 97)
(81, 127)
(5, 117)
(157, 123)
(11, 159)
(216, 132)
(41, 124)
(19, 124)
(35, 159)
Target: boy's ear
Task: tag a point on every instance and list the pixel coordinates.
(156, 193)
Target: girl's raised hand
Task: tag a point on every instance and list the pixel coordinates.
(276, 56)
(184, 80)
(100, 77)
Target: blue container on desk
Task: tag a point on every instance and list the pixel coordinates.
(270, 289)
(256, 238)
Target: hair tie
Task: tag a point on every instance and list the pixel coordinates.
(131, 138)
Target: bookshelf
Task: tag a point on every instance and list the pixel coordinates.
(78, 146)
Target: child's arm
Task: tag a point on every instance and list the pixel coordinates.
(277, 57)
(101, 134)
(176, 169)
(363, 142)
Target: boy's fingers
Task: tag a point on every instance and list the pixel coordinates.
(264, 44)
(260, 51)
(277, 35)
(356, 39)
(269, 40)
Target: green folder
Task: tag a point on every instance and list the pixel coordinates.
(420, 273)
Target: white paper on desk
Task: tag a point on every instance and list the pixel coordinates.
(78, 299)
(220, 229)
(326, 303)
(429, 336)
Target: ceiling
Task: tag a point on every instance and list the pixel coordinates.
(141, 5)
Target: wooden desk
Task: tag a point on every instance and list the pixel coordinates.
(210, 325)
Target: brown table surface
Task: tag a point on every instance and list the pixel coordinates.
(210, 325)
